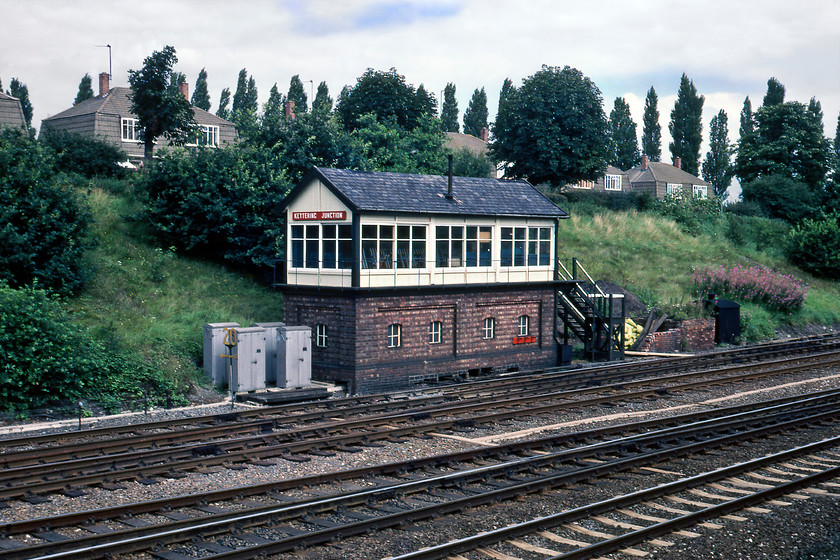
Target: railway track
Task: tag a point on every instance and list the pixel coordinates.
(70, 468)
(441, 488)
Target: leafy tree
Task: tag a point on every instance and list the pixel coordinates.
(651, 130)
(449, 110)
(831, 196)
(624, 148)
(475, 117)
(297, 95)
(161, 110)
(19, 90)
(775, 93)
(218, 203)
(43, 224)
(273, 110)
(505, 116)
(386, 146)
(322, 102)
(426, 102)
(465, 163)
(176, 79)
(744, 166)
(244, 99)
(554, 130)
(814, 245)
(717, 168)
(224, 101)
(85, 90)
(201, 96)
(385, 94)
(788, 141)
(686, 126)
(780, 197)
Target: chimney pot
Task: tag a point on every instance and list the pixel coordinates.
(678, 163)
(484, 134)
(645, 162)
(290, 110)
(104, 83)
(184, 88)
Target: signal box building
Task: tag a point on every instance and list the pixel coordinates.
(404, 278)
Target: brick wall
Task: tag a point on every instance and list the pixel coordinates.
(691, 335)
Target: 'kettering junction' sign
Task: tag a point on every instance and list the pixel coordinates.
(334, 215)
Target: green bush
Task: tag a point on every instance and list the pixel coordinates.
(592, 202)
(218, 203)
(44, 224)
(762, 234)
(694, 215)
(83, 155)
(814, 245)
(780, 197)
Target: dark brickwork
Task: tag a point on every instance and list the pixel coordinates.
(357, 349)
(691, 335)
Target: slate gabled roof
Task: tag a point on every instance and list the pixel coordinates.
(665, 173)
(426, 194)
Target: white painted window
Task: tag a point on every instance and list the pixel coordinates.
(458, 246)
(523, 325)
(525, 246)
(321, 336)
(489, 328)
(612, 182)
(699, 191)
(674, 189)
(130, 130)
(394, 336)
(435, 332)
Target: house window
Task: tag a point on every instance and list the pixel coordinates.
(411, 246)
(525, 246)
(305, 241)
(674, 189)
(584, 184)
(489, 328)
(435, 330)
(394, 336)
(130, 130)
(321, 336)
(479, 245)
(612, 182)
(699, 191)
(523, 325)
(208, 135)
(336, 246)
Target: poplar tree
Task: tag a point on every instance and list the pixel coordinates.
(240, 93)
(475, 117)
(19, 90)
(322, 102)
(775, 93)
(224, 101)
(85, 90)
(686, 126)
(200, 96)
(449, 110)
(297, 94)
(717, 167)
(624, 148)
(651, 129)
(745, 151)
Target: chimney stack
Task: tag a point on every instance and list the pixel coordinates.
(290, 110)
(184, 88)
(104, 83)
(645, 162)
(484, 134)
(678, 162)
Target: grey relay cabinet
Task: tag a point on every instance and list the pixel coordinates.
(270, 350)
(294, 356)
(214, 347)
(248, 372)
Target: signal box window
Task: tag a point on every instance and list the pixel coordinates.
(523, 325)
(489, 329)
(394, 336)
(321, 336)
(435, 330)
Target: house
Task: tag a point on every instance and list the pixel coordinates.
(11, 113)
(108, 116)
(614, 180)
(406, 277)
(661, 179)
(477, 146)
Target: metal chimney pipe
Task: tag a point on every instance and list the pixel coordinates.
(449, 194)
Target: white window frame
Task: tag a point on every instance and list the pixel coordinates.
(524, 325)
(394, 335)
(525, 246)
(435, 332)
(489, 328)
(130, 130)
(321, 336)
(674, 189)
(206, 135)
(700, 191)
(612, 182)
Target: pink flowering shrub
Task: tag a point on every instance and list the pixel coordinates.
(753, 284)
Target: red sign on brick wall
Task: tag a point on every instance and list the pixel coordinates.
(331, 215)
(524, 339)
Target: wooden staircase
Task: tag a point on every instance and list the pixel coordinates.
(594, 317)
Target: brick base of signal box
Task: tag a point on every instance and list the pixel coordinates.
(356, 350)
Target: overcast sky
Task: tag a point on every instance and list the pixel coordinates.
(729, 48)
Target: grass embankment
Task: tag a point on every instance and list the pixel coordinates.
(655, 258)
(155, 302)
